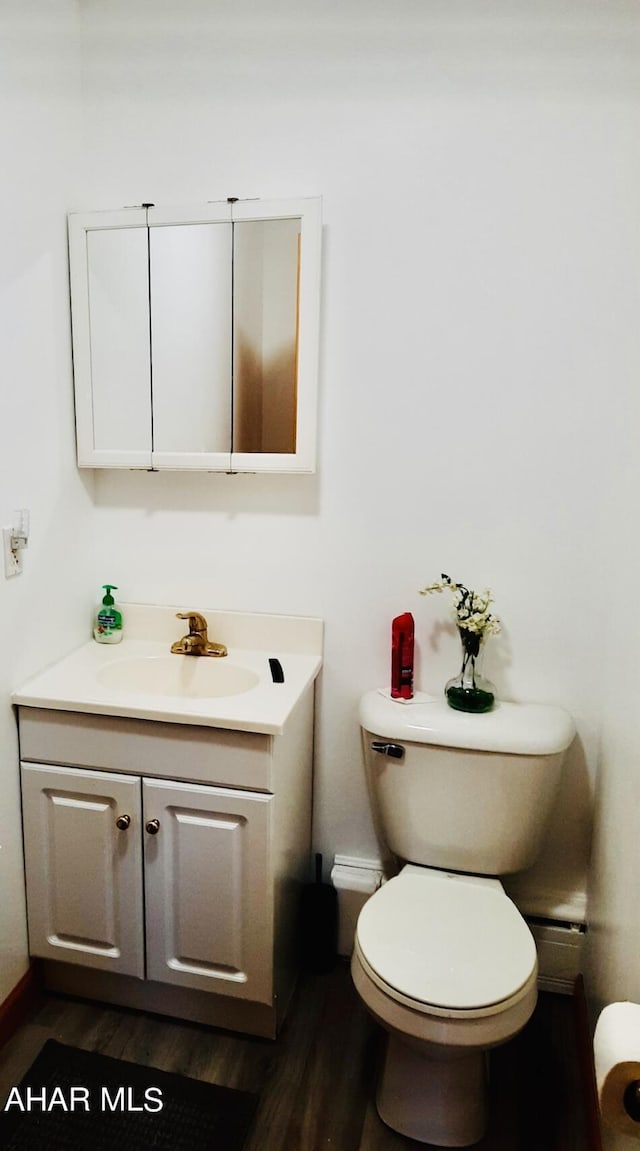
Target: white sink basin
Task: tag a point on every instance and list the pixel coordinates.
(190, 677)
(141, 679)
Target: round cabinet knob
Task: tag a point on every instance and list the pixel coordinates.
(122, 822)
(153, 826)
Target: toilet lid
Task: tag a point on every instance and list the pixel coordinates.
(451, 941)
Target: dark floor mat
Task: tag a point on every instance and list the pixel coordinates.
(116, 1107)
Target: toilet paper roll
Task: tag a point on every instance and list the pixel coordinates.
(616, 1050)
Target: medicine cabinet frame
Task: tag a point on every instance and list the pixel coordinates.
(130, 387)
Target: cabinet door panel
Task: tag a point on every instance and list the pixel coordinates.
(119, 319)
(191, 344)
(276, 359)
(209, 917)
(112, 368)
(83, 873)
(265, 335)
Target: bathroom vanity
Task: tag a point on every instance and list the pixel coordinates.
(166, 823)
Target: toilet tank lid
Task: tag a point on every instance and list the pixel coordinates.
(512, 728)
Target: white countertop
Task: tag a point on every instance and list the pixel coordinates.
(73, 683)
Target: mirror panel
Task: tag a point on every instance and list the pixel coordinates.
(118, 320)
(191, 279)
(266, 261)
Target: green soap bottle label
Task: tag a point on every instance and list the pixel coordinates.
(110, 618)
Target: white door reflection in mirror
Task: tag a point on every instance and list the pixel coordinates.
(191, 336)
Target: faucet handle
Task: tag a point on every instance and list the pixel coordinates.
(197, 622)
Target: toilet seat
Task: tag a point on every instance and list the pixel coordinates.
(446, 944)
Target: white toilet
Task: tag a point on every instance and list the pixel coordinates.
(442, 958)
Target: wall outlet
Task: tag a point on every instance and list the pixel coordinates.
(12, 559)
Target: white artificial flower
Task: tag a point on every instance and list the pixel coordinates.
(471, 608)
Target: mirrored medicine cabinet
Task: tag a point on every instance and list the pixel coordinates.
(195, 336)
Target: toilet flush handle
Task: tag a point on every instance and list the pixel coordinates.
(395, 750)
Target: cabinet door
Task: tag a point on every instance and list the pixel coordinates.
(276, 312)
(208, 889)
(109, 268)
(84, 877)
(191, 337)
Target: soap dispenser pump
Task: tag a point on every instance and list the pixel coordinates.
(108, 622)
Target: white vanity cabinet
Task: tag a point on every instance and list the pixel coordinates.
(195, 336)
(100, 850)
(164, 862)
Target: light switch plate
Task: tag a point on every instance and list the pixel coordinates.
(12, 560)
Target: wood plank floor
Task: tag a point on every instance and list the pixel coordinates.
(317, 1080)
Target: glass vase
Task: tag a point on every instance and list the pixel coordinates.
(469, 690)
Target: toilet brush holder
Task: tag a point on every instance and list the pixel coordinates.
(319, 924)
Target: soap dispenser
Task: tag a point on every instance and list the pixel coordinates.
(108, 622)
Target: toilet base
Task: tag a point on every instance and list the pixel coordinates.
(434, 1100)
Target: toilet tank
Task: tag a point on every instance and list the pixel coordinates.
(464, 792)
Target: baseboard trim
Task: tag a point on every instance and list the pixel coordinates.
(584, 1047)
(20, 1002)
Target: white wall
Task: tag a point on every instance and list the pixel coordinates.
(612, 969)
(480, 169)
(474, 163)
(43, 612)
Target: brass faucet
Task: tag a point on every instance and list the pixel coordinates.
(197, 641)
